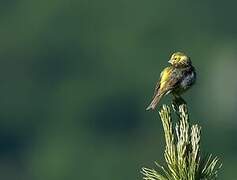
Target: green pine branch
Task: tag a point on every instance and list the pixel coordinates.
(182, 151)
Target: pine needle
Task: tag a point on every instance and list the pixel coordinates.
(182, 151)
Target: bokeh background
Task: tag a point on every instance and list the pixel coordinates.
(76, 77)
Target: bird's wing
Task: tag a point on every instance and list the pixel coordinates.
(156, 88)
(160, 81)
(168, 80)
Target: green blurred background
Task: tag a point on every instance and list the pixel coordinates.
(76, 77)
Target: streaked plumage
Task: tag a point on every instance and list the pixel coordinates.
(174, 79)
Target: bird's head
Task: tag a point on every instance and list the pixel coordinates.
(179, 59)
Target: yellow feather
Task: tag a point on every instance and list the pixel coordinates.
(165, 75)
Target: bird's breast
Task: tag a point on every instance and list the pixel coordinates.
(188, 79)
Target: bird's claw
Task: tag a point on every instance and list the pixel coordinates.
(176, 103)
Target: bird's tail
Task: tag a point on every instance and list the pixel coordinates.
(154, 102)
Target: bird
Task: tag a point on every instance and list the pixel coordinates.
(175, 79)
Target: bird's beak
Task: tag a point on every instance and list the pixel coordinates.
(170, 61)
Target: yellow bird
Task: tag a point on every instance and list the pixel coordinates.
(175, 79)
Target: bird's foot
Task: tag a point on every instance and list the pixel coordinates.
(178, 101)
